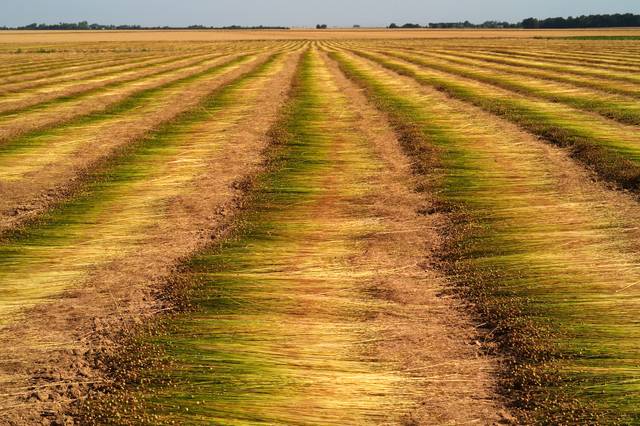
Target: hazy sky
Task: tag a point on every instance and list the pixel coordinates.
(296, 12)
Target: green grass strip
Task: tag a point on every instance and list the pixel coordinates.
(587, 102)
(129, 104)
(598, 83)
(132, 67)
(43, 77)
(64, 224)
(581, 70)
(128, 166)
(92, 92)
(621, 166)
(594, 61)
(42, 66)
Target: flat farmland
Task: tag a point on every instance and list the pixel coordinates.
(42, 36)
(308, 227)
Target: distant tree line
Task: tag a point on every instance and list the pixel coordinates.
(590, 21)
(467, 24)
(233, 27)
(585, 21)
(84, 25)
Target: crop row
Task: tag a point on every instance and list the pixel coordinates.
(546, 258)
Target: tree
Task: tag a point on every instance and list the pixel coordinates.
(321, 27)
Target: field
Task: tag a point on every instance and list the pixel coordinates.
(313, 228)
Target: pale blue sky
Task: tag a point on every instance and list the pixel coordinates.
(296, 12)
